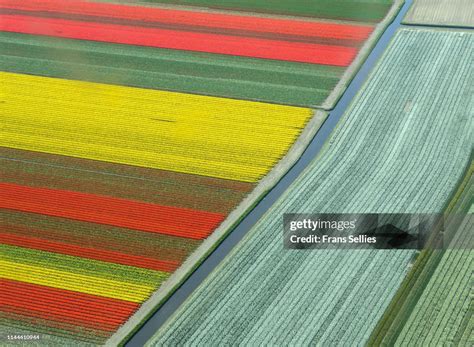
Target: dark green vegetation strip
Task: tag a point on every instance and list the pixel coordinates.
(355, 10)
(190, 72)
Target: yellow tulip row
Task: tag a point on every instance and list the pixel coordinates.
(75, 282)
(224, 138)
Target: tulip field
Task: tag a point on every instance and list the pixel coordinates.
(204, 135)
(290, 61)
(244, 78)
(120, 192)
(134, 137)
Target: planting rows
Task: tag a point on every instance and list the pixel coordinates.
(444, 312)
(433, 305)
(441, 13)
(402, 147)
(79, 275)
(221, 138)
(110, 182)
(220, 75)
(422, 294)
(67, 308)
(117, 232)
(278, 60)
(197, 42)
(365, 10)
(110, 211)
(121, 181)
(94, 241)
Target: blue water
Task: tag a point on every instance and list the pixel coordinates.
(168, 308)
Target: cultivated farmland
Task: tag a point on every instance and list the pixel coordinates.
(75, 226)
(444, 312)
(364, 11)
(433, 304)
(441, 13)
(280, 60)
(238, 77)
(207, 136)
(403, 146)
(128, 152)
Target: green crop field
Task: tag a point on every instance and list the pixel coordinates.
(191, 72)
(419, 287)
(403, 146)
(444, 313)
(358, 10)
(291, 61)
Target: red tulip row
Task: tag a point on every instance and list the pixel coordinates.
(55, 304)
(136, 215)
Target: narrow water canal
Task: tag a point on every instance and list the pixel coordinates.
(172, 304)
